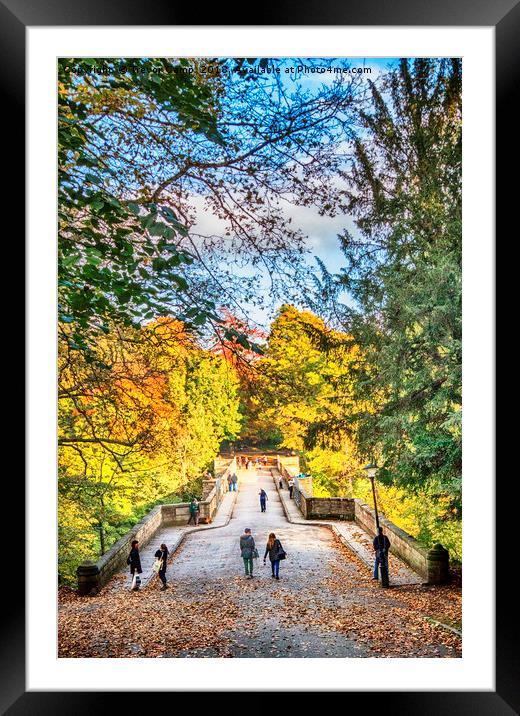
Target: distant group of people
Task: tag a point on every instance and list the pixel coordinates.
(249, 553)
(244, 462)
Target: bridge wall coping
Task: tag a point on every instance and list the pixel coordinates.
(432, 565)
(403, 544)
(94, 575)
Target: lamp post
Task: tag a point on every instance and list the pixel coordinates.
(371, 469)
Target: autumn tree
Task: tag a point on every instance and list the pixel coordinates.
(136, 429)
(147, 150)
(303, 387)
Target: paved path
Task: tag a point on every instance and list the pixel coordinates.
(354, 537)
(173, 536)
(325, 604)
(211, 558)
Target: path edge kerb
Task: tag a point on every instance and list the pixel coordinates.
(312, 523)
(325, 524)
(182, 536)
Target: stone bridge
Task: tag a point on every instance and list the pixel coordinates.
(351, 520)
(325, 604)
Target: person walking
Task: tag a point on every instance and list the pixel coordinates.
(134, 560)
(194, 512)
(248, 551)
(290, 484)
(230, 482)
(276, 553)
(263, 500)
(162, 556)
(381, 545)
(234, 480)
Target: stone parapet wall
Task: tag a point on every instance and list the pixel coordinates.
(93, 575)
(288, 465)
(115, 559)
(402, 544)
(301, 498)
(339, 508)
(290, 462)
(431, 565)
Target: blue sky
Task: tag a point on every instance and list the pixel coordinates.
(321, 231)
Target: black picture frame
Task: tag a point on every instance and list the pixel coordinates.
(504, 16)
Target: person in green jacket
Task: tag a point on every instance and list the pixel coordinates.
(247, 550)
(194, 512)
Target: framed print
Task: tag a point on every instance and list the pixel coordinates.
(251, 325)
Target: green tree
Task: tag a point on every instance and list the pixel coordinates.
(404, 273)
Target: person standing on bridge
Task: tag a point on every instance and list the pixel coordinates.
(234, 480)
(263, 500)
(162, 556)
(134, 560)
(229, 482)
(290, 485)
(275, 551)
(248, 550)
(194, 512)
(381, 545)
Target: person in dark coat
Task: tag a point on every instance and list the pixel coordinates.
(263, 498)
(247, 551)
(194, 512)
(162, 555)
(381, 545)
(273, 548)
(134, 560)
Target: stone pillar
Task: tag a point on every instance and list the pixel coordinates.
(305, 484)
(207, 486)
(88, 578)
(438, 562)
